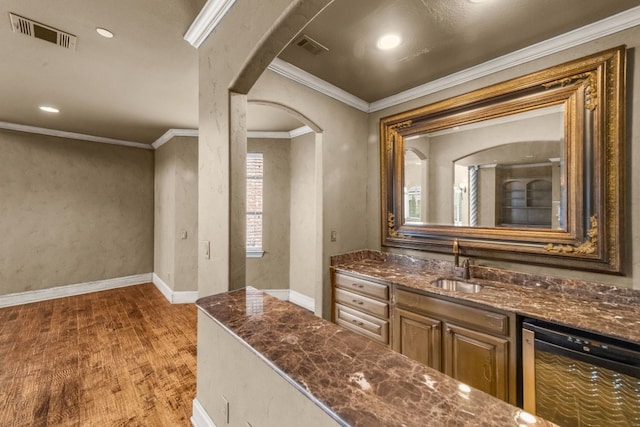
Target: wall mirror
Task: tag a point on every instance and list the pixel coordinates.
(529, 170)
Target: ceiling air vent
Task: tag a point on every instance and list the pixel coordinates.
(43, 32)
(310, 45)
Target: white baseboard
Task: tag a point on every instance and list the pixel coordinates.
(281, 294)
(200, 418)
(294, 297)
(71, 290)
(179, 297)
(302, 300)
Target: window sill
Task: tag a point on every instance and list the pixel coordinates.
(255, 253)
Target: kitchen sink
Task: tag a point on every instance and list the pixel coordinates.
(457, 285)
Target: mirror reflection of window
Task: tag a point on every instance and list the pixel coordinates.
(415, 184)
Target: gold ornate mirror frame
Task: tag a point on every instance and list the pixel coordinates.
(591, 92)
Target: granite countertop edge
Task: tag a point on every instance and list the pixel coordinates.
(355, 380)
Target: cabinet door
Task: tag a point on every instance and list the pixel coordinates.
(418, 337)
(477, 359)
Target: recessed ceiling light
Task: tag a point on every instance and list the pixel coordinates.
(104, 33)
(476, 1)
(49, 109)
(389, 41)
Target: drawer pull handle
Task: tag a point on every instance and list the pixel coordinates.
(357, 323)
(357, 302)
(357, 285)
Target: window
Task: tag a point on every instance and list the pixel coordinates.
(255, 176)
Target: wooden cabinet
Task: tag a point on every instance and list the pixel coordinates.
(477, 359)
(471, 344)
(468, 342)
(361, 306)
(418, 337)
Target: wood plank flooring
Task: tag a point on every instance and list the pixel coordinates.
(122, 357)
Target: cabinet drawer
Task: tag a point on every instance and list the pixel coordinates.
(369, 326)
(481, 319)
(362, 303)
(362, 286)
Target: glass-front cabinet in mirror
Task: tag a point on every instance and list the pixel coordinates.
(529, 170)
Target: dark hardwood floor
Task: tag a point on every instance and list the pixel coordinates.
(122, 357)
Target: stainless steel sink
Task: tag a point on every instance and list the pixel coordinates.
(457, 285)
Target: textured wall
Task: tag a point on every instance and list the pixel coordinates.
(629, 37)
(272, 270)
(164, 237)
(340, 181)
(186, 249)
(248, 38)
(303, 214)
(176, 211)
(257, 393)
(72, 211)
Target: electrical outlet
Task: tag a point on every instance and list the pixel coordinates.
(225, 410)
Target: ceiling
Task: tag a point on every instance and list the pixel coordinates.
(440, 37)
(144, 81)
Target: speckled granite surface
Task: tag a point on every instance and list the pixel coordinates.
(360, 382)
(597, 308)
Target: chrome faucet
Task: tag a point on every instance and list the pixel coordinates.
(460, 270)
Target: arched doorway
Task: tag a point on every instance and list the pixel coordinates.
(289, 264)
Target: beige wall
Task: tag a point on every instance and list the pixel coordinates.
(72, 211)
(164, 237)
(272, 270)
(248, 39)
(257, 394)
(629, 37)
(340, 160)
(303, 239)
(175, 212)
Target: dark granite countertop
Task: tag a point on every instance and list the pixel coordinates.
(357, 381)
(592, 307)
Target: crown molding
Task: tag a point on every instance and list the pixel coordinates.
(265, 134)
(309, 80)
(622, 21)
(599, 29)
(172, 133)
(207, 21)
(72, 135)
(303, 130)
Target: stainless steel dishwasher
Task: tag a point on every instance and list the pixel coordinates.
(575, 378)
